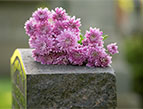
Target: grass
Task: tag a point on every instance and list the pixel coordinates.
(5, 93)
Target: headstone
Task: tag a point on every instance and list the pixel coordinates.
(60, 86)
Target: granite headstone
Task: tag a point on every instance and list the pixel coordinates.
(60, 86)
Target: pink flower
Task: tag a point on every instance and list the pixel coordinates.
(43, 45)
(94, 35)
(42, 14)
(32, 41)
(77, 56)
(100, 44)
(51, 58)
(36, 56)
(85, 42)
(61, 58)
(59, 14)
(30, 27)
(44, 59)
(73, 24)
(90, 63)
(93, 54)
(44, 28)
(103, 61)
(112, 48)
(66, 40)
(47, 59)
(59, 27)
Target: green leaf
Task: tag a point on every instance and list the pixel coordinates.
(81, 39)
(105, 37)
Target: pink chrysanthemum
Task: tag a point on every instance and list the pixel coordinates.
(61, 58)
(32, 41)
(103, 61)
(30, 27)
(47, 59)
(73, 24)
(51, 58)
(77, 56)
(112, 48)
(94, 53)
(43, 45)
(85, 42)
(59, 14)
(36, 56)
(94, 35)
(44, 59)
(59, 27)
(42, 14)
(100, 44)
(66, 40)
(44, 28)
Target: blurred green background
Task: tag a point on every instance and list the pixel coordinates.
(122, 20)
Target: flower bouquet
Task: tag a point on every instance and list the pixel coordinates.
(56, 39)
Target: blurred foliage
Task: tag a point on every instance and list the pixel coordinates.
(5, 93)
(134, 55)
(105, 37)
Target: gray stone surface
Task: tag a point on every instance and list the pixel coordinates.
(60, 86)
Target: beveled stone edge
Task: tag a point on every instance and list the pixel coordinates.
(17, 56)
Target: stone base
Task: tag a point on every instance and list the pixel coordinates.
(60, 86)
